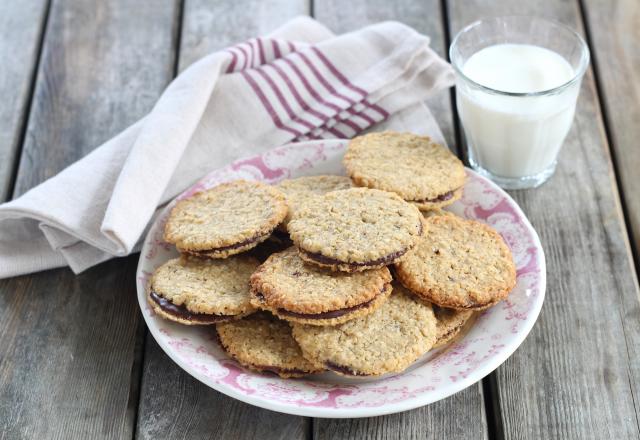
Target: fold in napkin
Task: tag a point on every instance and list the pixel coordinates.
(299, 83)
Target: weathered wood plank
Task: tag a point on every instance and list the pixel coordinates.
(175, 405)
(613, 28)
(172, 403)
(462, 415)
(21, 30)
(103, 66)
(457, 417)
(582, 355)
(70, 345)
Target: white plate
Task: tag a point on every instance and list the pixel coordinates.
(489, 342)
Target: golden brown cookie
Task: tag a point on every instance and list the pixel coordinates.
(450, 323)
(459, 264)
(264, 343)
(416, 168)
(192, 290)
(385, 341)
(225, 220)
(355, 229)
(299, 190)
(305, 293)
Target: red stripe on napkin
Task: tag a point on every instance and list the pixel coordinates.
(282, 99)
(267, 105)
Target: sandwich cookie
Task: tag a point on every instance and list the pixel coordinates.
(225, 220)
(355, 229)
(191, 290)
(450, 323)
(416, 168)
(305, 293)
(299, 190)
(263, 343)
(385, 341)
(460, 264)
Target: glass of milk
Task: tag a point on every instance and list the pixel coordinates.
(517, 82)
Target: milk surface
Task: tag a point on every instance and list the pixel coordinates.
(516, 136)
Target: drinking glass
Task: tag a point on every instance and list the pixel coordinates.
(514, 138)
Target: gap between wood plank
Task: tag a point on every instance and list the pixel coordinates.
(495, 425)
(137, 368)
(177, 37)
(33, 75)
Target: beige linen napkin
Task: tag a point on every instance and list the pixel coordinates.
(299, 83)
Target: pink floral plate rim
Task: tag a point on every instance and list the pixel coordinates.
(494, 336)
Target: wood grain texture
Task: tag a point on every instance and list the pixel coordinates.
(461, 416)
(175, 405)
(103, 67)
(22, 25)
(172, 403)
(71, 345)
(614, 31)
(582, 354)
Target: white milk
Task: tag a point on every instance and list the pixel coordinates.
(516, 136)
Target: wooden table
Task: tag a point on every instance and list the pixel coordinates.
(75, 358)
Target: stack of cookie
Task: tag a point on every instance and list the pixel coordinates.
(324, 297)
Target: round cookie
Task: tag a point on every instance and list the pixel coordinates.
(459, 264)
(225, 220)
(450, 322)
(416, 168)
(355, 229)
(299, 190)
(264, 343)
(304, 293)
(192, 290)
(385, 341)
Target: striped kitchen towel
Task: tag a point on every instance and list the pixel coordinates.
(300, 83)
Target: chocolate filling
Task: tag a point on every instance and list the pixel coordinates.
(441, 198)
(384, 261)
(324, 315)
(183, 313)
(342, 369)
(331, 313)
(380, 261)
(204, 252)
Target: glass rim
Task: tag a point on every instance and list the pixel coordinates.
(584, 58)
